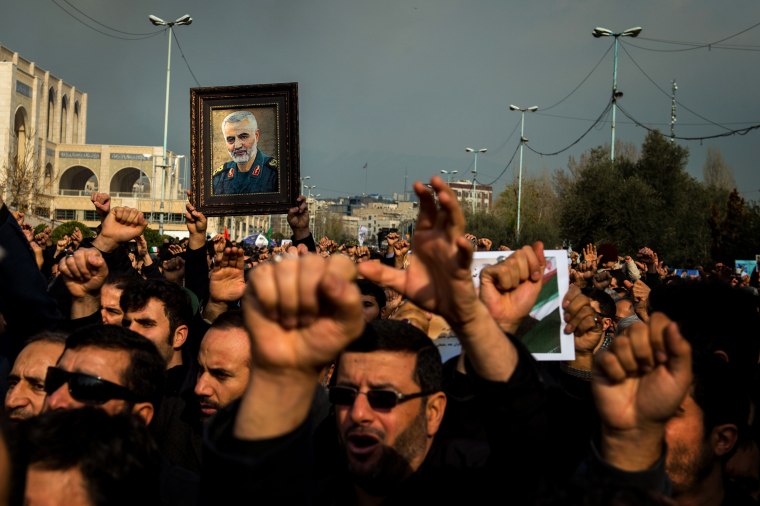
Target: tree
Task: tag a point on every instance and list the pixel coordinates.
(651, 201)
(20, 175)
(539, 214)
(68, 227)
(716, 172)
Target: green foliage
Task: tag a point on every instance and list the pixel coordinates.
(278, 236)
(153, 238)
(734, 229)
(539, 216)
(39, 228)
(68, 228)
(651, 201)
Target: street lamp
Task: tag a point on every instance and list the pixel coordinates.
(449, 173)
(475, 172)
(604, 32)
(523, 140)
(302, 180)
(309, 188)
(184, 20)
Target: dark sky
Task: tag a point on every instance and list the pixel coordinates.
(405, 85)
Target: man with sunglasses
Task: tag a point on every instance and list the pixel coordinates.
(109, 367)
(388, 399)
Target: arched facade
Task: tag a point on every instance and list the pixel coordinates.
(51, 114)
(21, 133)
(64, 118)
(78, 180)
(129, 181)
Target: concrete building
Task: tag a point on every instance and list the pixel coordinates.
(43, 138)
(482, 195)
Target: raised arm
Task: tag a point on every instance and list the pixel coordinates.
(300, 313)
(438, 279)
(638, 385)
(509, 290)
(84, 273)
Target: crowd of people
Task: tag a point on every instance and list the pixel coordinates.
(212, 372)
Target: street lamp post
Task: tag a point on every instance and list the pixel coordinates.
(449, 173)
(523, 140)
(604, 32)
(475, 172)
(184, 20)
(309, 188)
(302, 180)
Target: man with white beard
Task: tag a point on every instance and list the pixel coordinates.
(251, 170)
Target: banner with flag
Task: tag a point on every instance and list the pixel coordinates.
(362, 235)
(541, 331)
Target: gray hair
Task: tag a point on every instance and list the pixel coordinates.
(239, 116)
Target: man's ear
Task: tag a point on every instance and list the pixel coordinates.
(723, 438)
(180, 336)
(436, 406)
(144, 410)
(257, 134)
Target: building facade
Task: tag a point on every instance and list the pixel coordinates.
(47, 167)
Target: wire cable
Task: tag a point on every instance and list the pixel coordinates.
(505, 168)
(102, 32)
(708, 45)
(185, 59)
(598, 121)
(625, 50)
(581, 83)
(740, 131)
(102, 24)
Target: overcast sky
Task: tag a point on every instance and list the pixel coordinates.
(406, 85)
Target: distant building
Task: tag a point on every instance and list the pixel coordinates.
(482, 195)
(45, 126)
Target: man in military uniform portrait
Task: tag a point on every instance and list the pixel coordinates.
(251, 170)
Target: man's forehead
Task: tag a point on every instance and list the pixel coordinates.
(377, 367)
(106, 363)
(240, 126)
(154, 307)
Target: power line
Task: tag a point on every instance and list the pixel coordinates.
(101, 31)
(740, 131)
(507, 139)
(598, 121)
(581, 83)
(104, 25)
(185, 59)
(693, 46)
(505, 168)
(666, 93)
(576, 118)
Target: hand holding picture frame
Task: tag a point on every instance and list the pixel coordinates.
(244, 144)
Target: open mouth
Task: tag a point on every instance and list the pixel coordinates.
(363, 443)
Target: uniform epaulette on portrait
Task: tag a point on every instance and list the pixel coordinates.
(218, 170)
(272, 163)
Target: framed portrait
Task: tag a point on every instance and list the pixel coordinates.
(244, 149)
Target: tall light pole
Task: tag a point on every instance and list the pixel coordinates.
(475, 172)
(302, 180)
(309, 188)
(523, 140)
(184, 20)
(604, 32)
(449, 173)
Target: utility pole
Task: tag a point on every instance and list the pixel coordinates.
(673, 112)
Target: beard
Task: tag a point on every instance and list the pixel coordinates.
(394, 463)
(687, 466)
(242, 155)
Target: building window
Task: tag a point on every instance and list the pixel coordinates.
(42, 211)
(65, 214)
(91, 216)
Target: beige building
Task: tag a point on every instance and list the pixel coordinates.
(43, 140)
(482, 195)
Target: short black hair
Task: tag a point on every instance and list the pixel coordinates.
(606, 304)
(367, 287)
(232, 319)
(177, 305)
(118, 459)
(146, 374)
(721, 394)
(393, 335)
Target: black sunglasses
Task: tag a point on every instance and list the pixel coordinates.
(378, 399)
(86, 388)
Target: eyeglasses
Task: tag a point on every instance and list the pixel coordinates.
(86, 388)
(378, 399)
